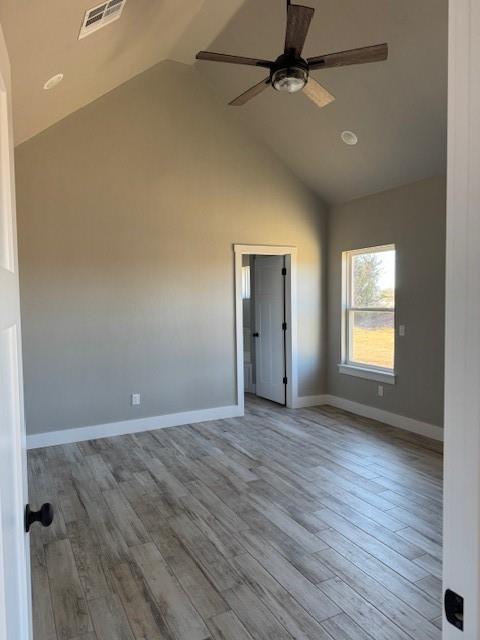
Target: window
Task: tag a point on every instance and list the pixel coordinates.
(245, 283)
(368, 342)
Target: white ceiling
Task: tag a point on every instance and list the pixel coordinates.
(42, 39)
(397, 108)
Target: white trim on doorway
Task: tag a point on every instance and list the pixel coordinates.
(290, 254)
(462, 351)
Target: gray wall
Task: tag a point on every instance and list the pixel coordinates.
(127, 213)
(412, 217)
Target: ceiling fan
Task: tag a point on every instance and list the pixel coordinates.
(290, 72)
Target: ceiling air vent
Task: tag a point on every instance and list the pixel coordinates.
(100, 16)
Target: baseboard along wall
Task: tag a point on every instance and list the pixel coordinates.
(393, 419)
(108, 430)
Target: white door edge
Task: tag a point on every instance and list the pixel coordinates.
(462, 355)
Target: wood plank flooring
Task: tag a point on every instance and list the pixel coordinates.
(312, 524)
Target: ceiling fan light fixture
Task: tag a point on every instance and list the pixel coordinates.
(290, 79)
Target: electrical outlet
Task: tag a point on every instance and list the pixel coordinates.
(135, 399)
(401, 330)
(380, 390)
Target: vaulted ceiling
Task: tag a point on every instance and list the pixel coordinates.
(397, 108)
(42, 39)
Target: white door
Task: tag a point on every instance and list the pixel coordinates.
(269, 300)
(14, 551)
(461, 550)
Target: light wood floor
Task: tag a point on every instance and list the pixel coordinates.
(313, 524)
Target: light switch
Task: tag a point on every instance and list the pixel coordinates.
(401, 330)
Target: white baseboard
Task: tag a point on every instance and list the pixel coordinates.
(302, 402)
(392, 419)
(67, 436)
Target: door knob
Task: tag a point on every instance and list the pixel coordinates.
(256, 335)
(44, 515)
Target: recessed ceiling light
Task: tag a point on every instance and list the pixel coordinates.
(349, 138)
(54, 80)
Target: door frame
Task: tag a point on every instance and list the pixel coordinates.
(462, 403)
(10, 265)
(291, 351)
(461, 553)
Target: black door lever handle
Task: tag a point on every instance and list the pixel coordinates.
(256, 335)
(44, 515)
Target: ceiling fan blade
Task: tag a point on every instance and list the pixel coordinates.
(298, 23)
(376, 53)
(250, 93)
(223, 57)
(318, 94)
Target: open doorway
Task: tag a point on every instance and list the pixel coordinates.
(266, 323)
(264, 327)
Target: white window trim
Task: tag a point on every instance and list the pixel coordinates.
(378, 375)
(346, 366)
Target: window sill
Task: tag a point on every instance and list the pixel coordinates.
(368, 374)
